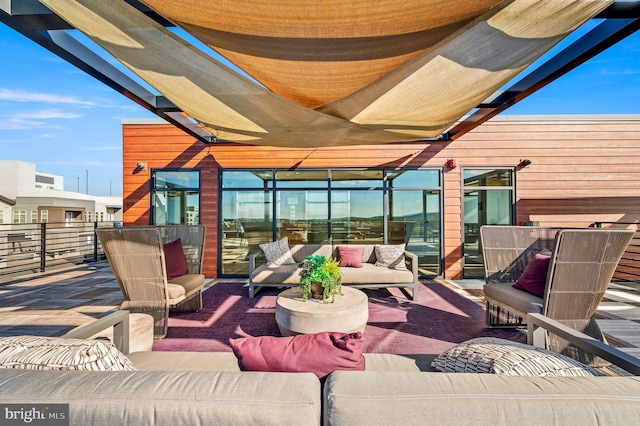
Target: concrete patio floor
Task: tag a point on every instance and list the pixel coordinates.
(52, 303)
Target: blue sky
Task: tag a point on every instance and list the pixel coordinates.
(68, 123)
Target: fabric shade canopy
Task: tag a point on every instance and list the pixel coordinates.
(330, 73)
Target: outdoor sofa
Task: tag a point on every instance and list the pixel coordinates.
(172, 388)
(402, 274)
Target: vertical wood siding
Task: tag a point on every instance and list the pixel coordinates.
(582, 171)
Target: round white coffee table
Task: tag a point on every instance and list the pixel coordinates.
(348, 314)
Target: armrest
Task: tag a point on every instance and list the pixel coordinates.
(119, 320)
(252, 260)
(535, 337)
(413, 259)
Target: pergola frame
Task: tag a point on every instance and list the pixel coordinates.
(38, 23)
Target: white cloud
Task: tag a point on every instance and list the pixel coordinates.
(46, 115)
(13, 123)
(21, 96)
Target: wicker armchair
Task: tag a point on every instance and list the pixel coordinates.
(136, 256)
(581, 267)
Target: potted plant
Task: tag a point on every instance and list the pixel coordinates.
(321, 277)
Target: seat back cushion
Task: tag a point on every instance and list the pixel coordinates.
(175, 260)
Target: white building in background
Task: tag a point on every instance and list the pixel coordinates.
(29, 196)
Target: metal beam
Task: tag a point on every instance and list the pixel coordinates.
(600, 38)
(71, 50)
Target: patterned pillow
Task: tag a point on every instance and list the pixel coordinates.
(499, 356)
(277, 252)
(59, 353)
(390, 256)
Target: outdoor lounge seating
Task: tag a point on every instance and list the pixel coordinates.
(367, 276)
(153, 280)
(581, 265)
(209, 388)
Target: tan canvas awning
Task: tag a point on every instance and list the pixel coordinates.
(330, 73)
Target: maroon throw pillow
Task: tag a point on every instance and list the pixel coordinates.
(350, 256)
(319, 353)
(534, 276)
(175, 260)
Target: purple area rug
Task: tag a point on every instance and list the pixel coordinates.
(439, 319)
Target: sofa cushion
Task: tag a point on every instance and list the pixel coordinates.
(371, 274)
(283, 274)
(500, 356)
(300, 251)
(534, 276)
(277, 252)
(184, 285)
(58, 353)
(319, 353)
(350, 257)
(174, 259)
(390, 256)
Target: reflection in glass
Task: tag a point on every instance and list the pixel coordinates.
(415, 221)
(246, 223)
(486, 177)
(302, 179)
(357, 179)
(301, 216)
(414, 178)
(176, 207)
(176, 179)
(482, 207)
(356, 217)
(247, 179)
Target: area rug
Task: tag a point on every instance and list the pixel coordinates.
(438, 320)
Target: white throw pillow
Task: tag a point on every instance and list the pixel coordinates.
(59, 353)
(390, 256)
(277, 252)
(500, 356)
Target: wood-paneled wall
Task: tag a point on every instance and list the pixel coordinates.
(583, 170)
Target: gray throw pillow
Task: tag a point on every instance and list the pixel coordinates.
(500, 356)
(277, 252)
(390, 256)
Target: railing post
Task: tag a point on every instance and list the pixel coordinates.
(95, 242)
(43, 246)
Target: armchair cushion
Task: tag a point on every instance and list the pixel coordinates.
(319, 353)
(184, 285)
(58, 353)
(534, 276)
(175, 260)
(500, 356)
(277, 252)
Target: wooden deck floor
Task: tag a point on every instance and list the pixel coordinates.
(52, 303)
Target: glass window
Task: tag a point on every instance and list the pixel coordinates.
(89, 216)
(1, 216)
(302, 179)
(488, 200)
(19, 216)
(493, 177)
(34, 216)
(175, 197)
(44, 216)
(247, 179)
(364, 179)
(246, 223)
(414, 178)
(357, 217)
(302, 216)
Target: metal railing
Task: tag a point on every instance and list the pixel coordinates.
(629, 266)
(36, 247)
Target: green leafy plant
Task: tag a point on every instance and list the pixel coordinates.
(318, 268)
